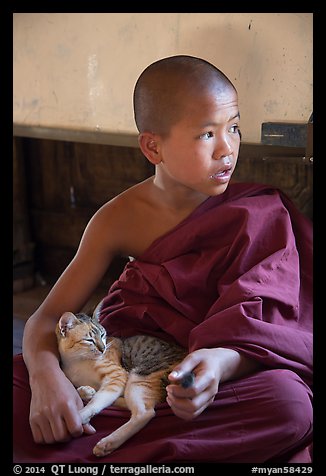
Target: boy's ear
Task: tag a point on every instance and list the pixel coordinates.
(149, 145)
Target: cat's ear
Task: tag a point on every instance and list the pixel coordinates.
(67, 321)
(97, 310)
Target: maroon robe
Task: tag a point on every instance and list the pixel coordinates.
(236, 273)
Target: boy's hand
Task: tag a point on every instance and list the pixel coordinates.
(189, 402)
(54, 411)
(210, 367)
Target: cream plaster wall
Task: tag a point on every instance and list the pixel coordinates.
(74, 73)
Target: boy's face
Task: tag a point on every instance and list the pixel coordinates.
(202, 148)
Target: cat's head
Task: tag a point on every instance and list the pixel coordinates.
(80, 333)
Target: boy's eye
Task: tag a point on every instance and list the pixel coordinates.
(234, 129)
(206, 136)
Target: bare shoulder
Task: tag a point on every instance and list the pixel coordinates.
(118, 221)
(129, 223)
(122, 208)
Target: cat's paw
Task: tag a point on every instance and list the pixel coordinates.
(104, 447)
(86, 392)
(85, 415)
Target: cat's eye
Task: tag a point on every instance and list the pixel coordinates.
(92, 341)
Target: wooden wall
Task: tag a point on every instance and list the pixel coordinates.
(59, 185)
(23, 246)
(66, 183)
(288, 168)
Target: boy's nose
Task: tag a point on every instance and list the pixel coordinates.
(223, 149)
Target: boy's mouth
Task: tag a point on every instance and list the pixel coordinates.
(223, 174)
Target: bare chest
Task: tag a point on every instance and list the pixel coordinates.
(146, 230)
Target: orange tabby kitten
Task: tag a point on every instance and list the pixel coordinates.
(105, 369)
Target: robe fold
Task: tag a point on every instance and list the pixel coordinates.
(236, 273)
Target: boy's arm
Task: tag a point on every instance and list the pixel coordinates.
(54, 412)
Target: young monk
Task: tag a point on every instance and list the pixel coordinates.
(222, 269)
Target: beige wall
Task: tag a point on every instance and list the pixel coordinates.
(74, 73)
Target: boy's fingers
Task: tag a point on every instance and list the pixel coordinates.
(183, 373)
(184, 368)
(89, 429)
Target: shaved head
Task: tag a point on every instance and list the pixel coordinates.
(165, 87)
